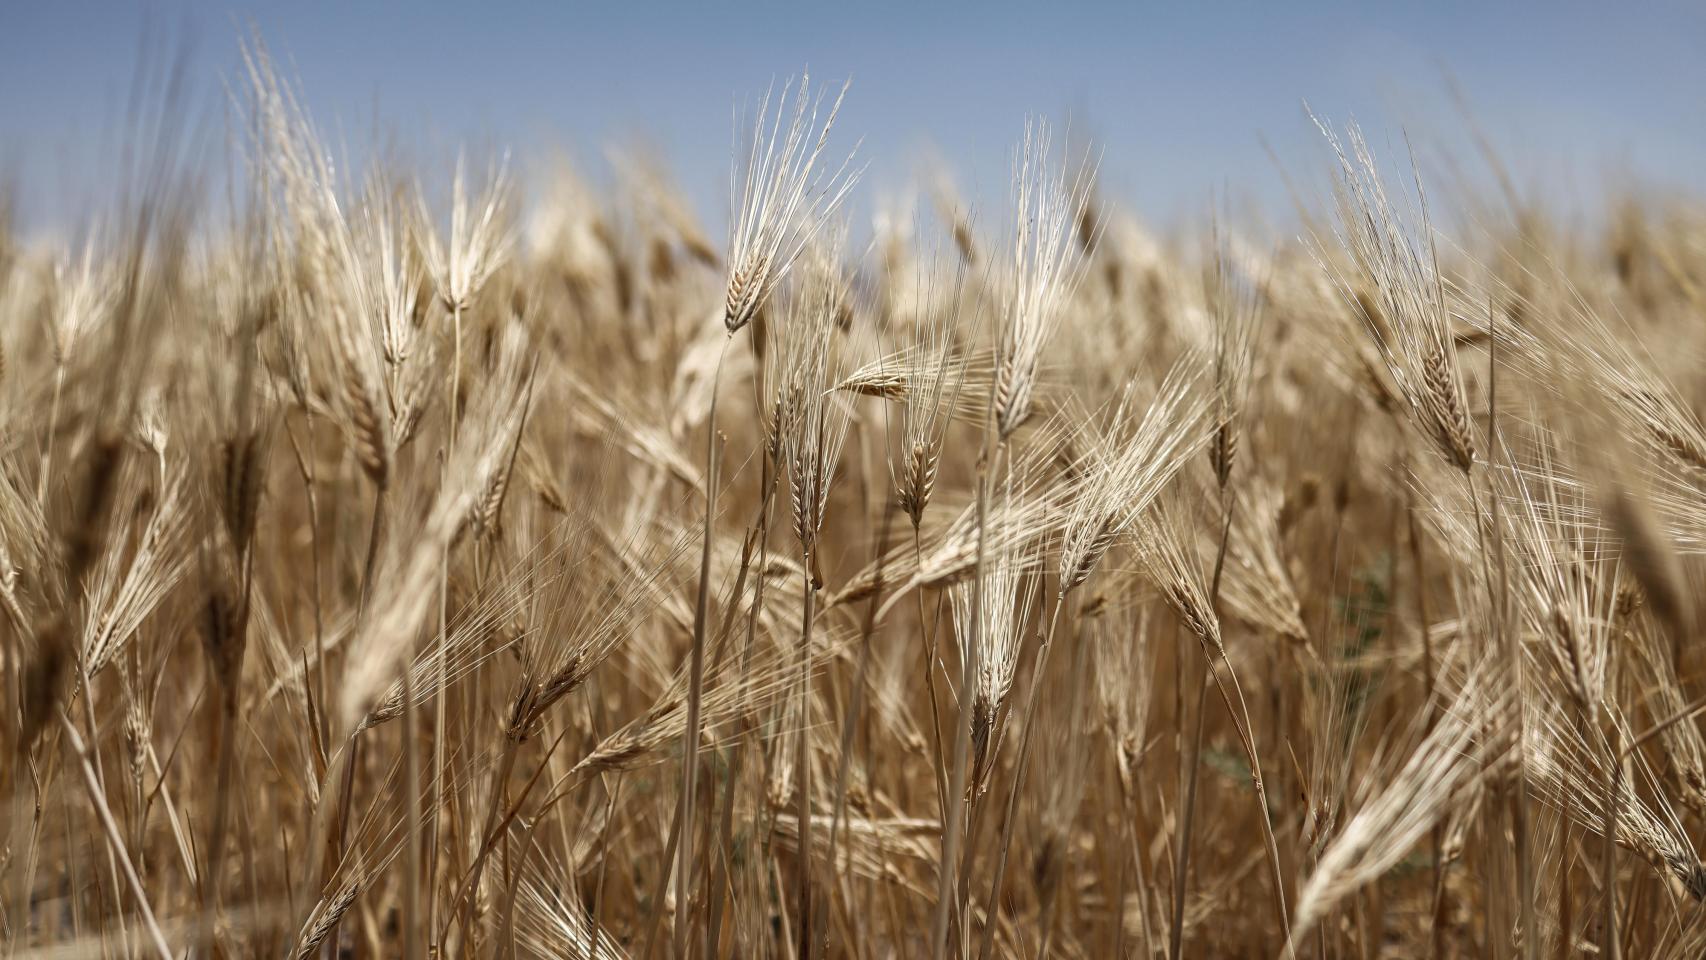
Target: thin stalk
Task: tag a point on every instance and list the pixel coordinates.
(495, 831)
(506, 764)
(319, 600)
(696, 674)
(946, 872)
(802, 761)
(1127, 829)
(88, 699)
(412, 859)
(931, 636)
(1436, 835)
(346, 798)
(662, 884)
(738, 748)
(1608, 945)
(1039, 667)
(52, 428)
(1240, 712)
(374, 534)
(856, 705)
(1566, 915)
(595, 927)
(1519, 812)
(439, 720)
(305, 468)
(1051, 883)
(114, 841)
(1187, 816)
(227, 733)
(455, 368)
(506, 932)
(1235, 705)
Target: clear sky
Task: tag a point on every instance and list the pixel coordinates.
(1178, 96)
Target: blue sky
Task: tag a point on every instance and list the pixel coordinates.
(1179, 97)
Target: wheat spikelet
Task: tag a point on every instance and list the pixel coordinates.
(125, 593)
(728, 695)
(1045, 271)
(1257, 586)
(396, 614)
(323, 919)
(1652, 561)
(1236, 319)
(1445, 405)
(1125, 471)
(581, 615)
(785, 199)
(479, 237)
(1567, 766)
(1174, 565)
(1400, 273)
(811, 421)
(1472, 734)
(999, 627)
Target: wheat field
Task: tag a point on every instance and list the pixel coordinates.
(409, 561)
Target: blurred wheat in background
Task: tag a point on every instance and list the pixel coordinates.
(401, 561)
